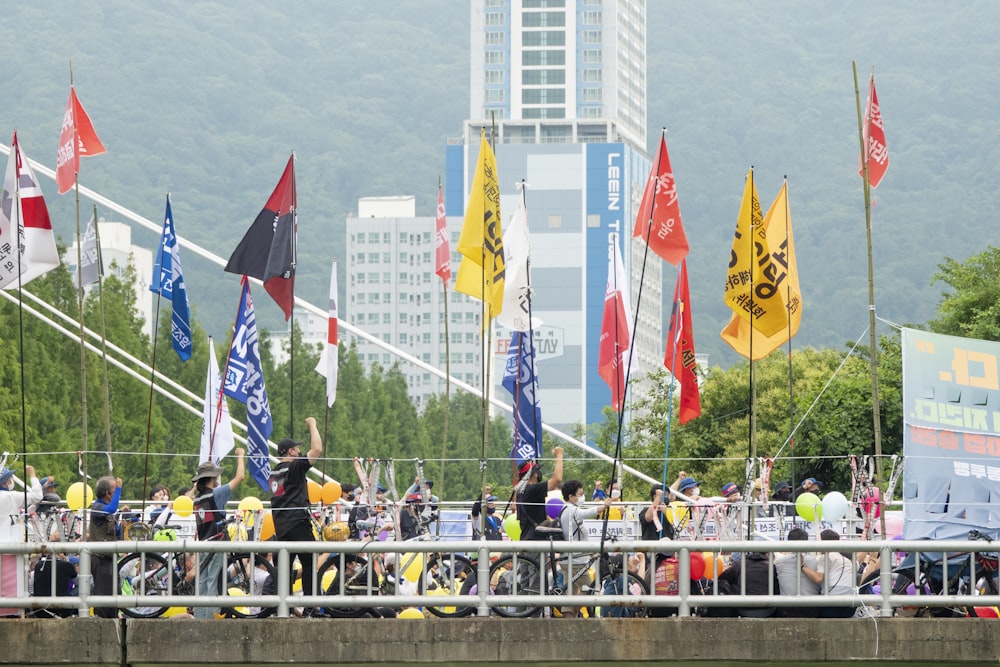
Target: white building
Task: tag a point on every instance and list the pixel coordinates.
(117, 252)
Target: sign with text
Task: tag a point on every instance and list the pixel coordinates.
(951, 435)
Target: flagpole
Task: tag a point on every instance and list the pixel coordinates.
(487, 338)
(104, 338)
(19, 233)
(872, 339)
(152, 366)
(791, 401)
(291, 320)
(447, 366)
(752, 454)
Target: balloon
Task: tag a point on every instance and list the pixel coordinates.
(78, 496)
(315, 491)
(512, 527)
(183, 506)
(697, 566)
(413, 566)
(410, 612)
(266, 527)
(834, 506)
(714, 565)
(809, 507)
(553, 506)
(331, 492)
(251, 504)
(676, 512)
(893, 525)
(870, 502)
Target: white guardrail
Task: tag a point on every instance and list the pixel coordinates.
(458, 594)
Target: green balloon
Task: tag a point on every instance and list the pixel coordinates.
(809, 507)
(512, 527)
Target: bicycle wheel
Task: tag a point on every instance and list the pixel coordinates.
(634, 585)
(250, 574)
(146, 575)
(447, 574)
(347, 574)
(520, 577)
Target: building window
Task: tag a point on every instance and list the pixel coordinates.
(361, 258)
(592, 112)
(360, 240)
(494, 76)
(386, 318)
(387, 297)
(373, 258)
(543, 112)
(362, 297)
(592, 95)
(592, 75)
(543, 96)
(494, 38)
(402, 318)
(494, 96)
(373, 237)
(543, 19)
(541, 4)
(593, 18)
(495, 18)
(402, 237)
(533, 58)
(544, 38)
(591, 36)
(427, 339)
(591, 56)
(494, 57)
(402, 339)
(361, 279)
(387, 238)
(542, 77)
(373, 279)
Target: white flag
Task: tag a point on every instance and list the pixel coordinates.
(22, 205)
(329, 361)
(216, 415)
(517, 285)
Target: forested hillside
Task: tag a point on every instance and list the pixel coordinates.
(206, 99)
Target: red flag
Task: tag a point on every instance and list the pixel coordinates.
(441, 248)
(76, 123)
(23, 213)
(679, 355)
(659, 217)
(616, 327)
(267, 251)
(877, 153)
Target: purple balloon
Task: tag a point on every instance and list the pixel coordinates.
(911, 590)
(876, 589)
(553, 506)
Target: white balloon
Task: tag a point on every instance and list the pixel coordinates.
(835, 506)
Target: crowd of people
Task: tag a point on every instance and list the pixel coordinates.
(372, 517)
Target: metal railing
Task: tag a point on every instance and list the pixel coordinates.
(686, 601)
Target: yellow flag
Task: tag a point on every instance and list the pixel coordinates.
(481, 273)
(778, 226)
(755, 279)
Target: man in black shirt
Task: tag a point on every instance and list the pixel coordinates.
(531, 498)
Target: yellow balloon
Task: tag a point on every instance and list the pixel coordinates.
(331, 492)
(183, 506)
(315, 492)
(78, 496)
(174, 611)
(410, 612)
(413, 566)
(251, 504)
(266, 527)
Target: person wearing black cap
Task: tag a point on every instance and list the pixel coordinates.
(210, 498)
(290, 499)
(809, 485)
(531, 497)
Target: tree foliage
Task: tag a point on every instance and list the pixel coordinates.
(971, 308)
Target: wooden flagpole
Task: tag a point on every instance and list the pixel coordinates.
(104, 339)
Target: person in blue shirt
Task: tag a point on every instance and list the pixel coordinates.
(599, 493)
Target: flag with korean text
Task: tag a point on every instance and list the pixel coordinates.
(679, 356)
(616, 327)
(245, 383)
(520, 378)
(91, 267)
(77, 139)
(482, 271)
(876, 152)
(658, 221)
(754, 278)
(329, 356)
(516, 313)
(217, 438)
(168, 282)
(747, 341)
(442, 249)
(27, 244)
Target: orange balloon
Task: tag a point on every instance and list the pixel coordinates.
(714, 564)
(331, 492)
(266, 527)
(315, 492)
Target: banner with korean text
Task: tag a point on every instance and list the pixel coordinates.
(951, 435)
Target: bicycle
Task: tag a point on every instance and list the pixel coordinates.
(355, 574)
(523, 575)
(150, 575)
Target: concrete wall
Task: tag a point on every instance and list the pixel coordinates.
(269, 641)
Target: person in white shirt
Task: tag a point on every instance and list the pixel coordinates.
(834, 573)
(792, 580)
(578, 575)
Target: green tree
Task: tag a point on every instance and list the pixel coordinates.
(972, 307)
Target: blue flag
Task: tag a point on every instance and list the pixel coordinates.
(520, 380)
(168, 282)
(245, 383)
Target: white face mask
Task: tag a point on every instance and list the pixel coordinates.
(695, 492)
(616, 494)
